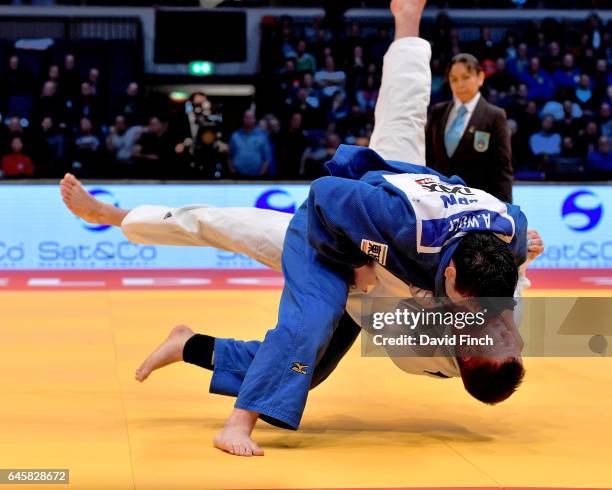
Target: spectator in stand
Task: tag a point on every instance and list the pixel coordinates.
(86, 148)
(329, 79)
(93, 79)
(571, 122)
(250, 151)
(314, 97)
(290, 149)
(16, 164)
(131, 105)
(317, 155)
(49, 149)
(154, 150)
(16, 90)
(12, 130)
(305, 62)
(600, 160)
(355, 125)
(121, 140)
(356, 69)
(53, 74)
(539, 83)
(49, 104)
(17, 80)
(569, 149)
(289, 76)
(567, 76)
(584, 94)
(84, 106)
(602, 78)
(305, 104)
(589, 137)
(502, 80)
(271, 125)
(519, 65)
(70, 79)
(338, 108)
(485, 48)
(546, 142)
(368, 94)
(552, 59)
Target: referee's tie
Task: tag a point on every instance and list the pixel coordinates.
(455, 132)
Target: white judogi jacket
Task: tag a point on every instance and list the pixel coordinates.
(399, 135)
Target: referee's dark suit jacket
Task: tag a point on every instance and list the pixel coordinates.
(484, 156)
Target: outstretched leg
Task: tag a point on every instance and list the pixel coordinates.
(86, 206)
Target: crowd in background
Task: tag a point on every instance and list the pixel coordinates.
(553, 79)
(566, 4)
(317, 88)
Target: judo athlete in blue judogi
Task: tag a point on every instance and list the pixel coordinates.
(410, 219)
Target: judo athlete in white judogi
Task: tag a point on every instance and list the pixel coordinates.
(271, 379)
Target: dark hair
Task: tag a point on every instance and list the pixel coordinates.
(492, 382)
(485, 267)
(469, 60)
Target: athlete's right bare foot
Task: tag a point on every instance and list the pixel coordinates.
(235, 437)
(86, 206)
(168, 352)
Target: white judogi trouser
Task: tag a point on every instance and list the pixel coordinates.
(399, 135)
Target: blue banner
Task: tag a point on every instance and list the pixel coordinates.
(39, 233)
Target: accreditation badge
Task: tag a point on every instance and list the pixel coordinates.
(481, 141)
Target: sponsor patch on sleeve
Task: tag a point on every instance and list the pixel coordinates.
(375, 250)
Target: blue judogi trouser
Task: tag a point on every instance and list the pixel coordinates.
(273, 377)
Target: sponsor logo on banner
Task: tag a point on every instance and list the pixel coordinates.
(276, 200)
(578, 215)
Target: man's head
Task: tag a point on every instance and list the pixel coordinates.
(54, 72)
(49, 89)
(491, 381)
(482, 267)
(120, 124)
(86, 126)
(548, 123)
(132, 89)
(492, 373)
(14, 125)
(17, 144)
(156, 126)
(69, 62)
(249, 120)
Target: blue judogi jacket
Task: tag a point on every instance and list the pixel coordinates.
(409, 218)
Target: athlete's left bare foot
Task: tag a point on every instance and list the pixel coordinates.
(85, 206)
(169, 352)
(235, 437)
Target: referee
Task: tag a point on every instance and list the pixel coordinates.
(468, 136)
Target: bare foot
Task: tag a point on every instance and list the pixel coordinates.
(235, 438)
(86, 206)
(169, 352)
